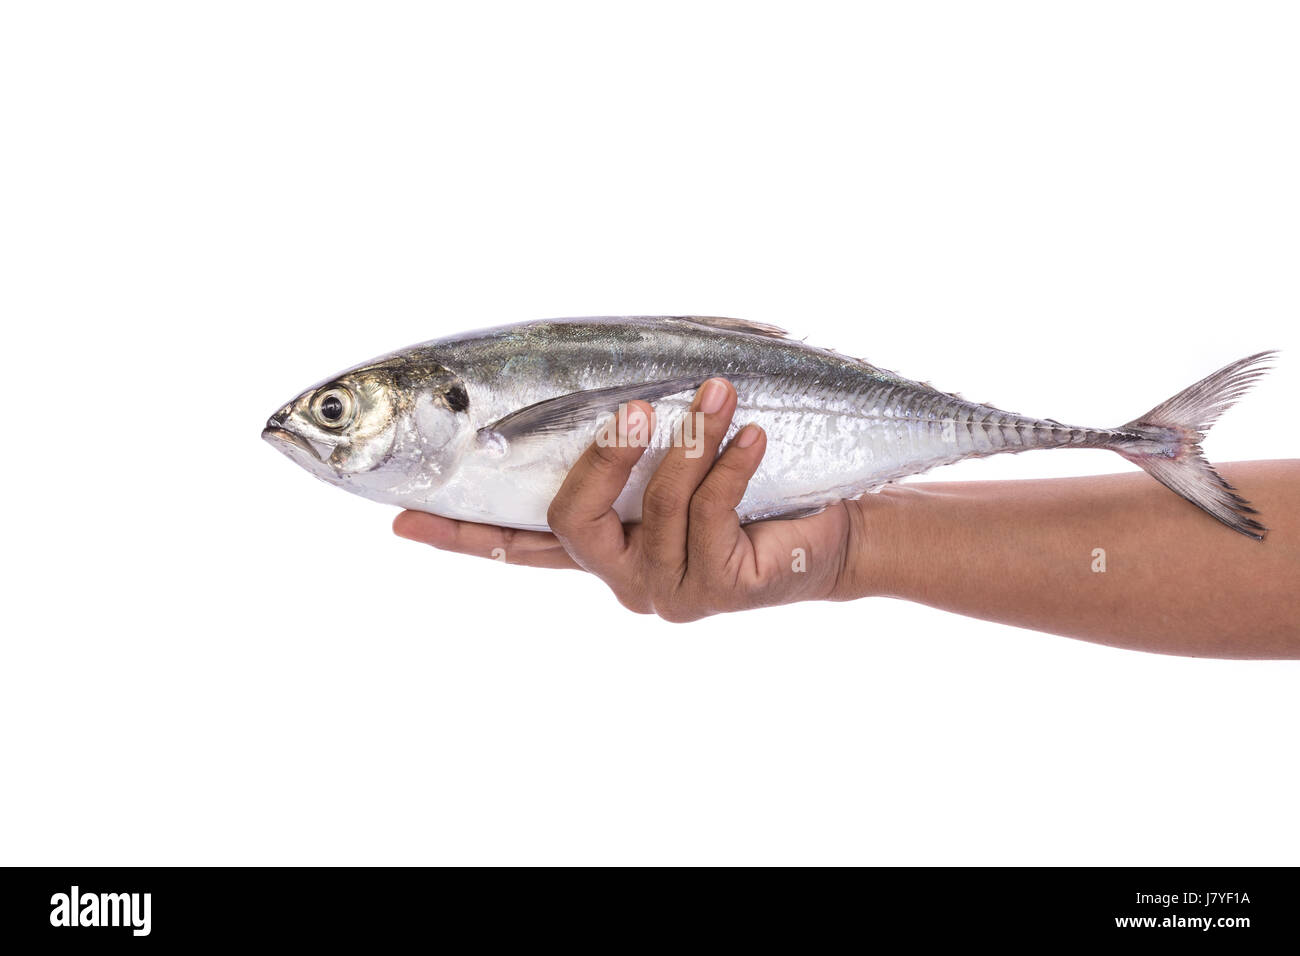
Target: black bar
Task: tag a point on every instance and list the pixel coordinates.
(1224, 907)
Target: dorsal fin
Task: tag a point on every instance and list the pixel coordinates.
(733, 325)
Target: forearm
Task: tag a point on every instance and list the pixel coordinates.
(1032, 553)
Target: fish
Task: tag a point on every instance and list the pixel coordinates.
(484, 426)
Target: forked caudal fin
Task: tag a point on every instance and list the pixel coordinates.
(1166, 441)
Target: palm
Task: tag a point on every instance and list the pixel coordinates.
(812, 546)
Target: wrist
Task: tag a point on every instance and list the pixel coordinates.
(877, 546)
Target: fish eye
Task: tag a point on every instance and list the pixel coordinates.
(333, 407)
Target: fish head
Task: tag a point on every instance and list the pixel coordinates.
(382, 429)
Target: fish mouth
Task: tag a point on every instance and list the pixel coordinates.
(289, 442)
(298, 449)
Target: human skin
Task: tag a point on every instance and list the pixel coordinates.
(1025, 553)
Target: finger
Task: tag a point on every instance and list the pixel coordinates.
(665, 507)
(582, 516)
(537, 549)
(713, 531)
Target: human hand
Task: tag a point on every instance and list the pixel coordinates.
(689, 557)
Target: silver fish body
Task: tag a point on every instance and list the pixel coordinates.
(484, 426)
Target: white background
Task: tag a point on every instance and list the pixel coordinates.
(1072, 210)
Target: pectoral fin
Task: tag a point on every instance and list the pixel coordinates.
(581, 408)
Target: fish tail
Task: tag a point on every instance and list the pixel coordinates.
(1166, 443)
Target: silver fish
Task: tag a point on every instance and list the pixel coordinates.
(484, 426)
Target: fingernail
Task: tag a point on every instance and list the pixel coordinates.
(748, 435)
(636, 428)
(712, 395)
